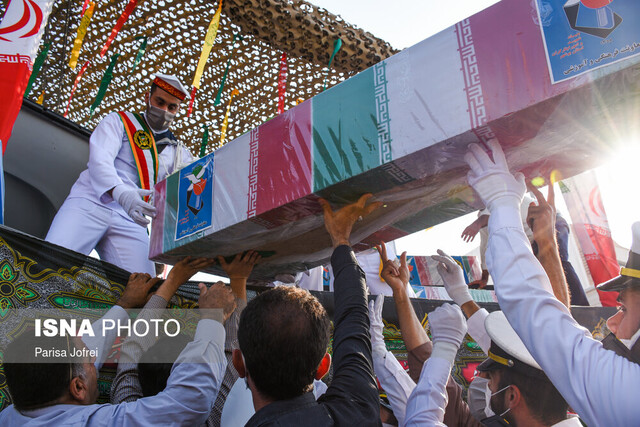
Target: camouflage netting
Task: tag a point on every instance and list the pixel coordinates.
(175, 30)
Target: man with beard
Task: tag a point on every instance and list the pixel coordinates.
(128, 153)
(518, 392)
(599, 385)
(625, 324)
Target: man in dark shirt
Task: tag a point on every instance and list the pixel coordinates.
(284, 333)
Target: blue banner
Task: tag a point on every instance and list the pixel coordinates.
(582, 35)
(195, 198)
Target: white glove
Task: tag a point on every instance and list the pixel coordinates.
(453, 278)
(376, 325)
(491, 179)
(448, 329)
(131, 201)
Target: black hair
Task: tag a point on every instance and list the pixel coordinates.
(33, 380)
(544, 401)
(283, 335)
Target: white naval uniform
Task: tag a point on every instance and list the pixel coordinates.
(600, 386)
(90, 218)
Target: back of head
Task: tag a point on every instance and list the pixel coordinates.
(518, 368)
(283, 336)
(154, 366)
(544, 401)
(39, 370)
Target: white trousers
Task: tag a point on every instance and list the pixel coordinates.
(81, 225)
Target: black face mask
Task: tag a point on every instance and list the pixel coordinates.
(610, 342)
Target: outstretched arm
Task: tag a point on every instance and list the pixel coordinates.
(426, 406)
(594, 381)
(542, 221)
(353, 387)
(126, 385)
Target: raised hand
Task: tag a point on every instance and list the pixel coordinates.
(136, 292)
(542, 218)
(394, 273)
(339, 223)
(180, 273)
(218, 296)
(453, 278)
(469, 233)
(491, 179)
(241, 266)
(447, 325)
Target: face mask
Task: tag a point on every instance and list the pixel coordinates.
(479, 397)
(158, 119)
(496, 420)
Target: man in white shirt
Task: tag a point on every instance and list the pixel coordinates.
(599, 385)
(625, 324)
(128, 154)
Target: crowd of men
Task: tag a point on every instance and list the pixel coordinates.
(269, 356)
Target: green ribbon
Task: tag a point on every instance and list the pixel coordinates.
(37, 64)
(226, 70)
(104, 83)
(337, 44)
(141, 50)
(205, 139)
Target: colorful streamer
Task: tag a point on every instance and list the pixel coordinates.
(139, 55)
(84, 7)
(82, 31)
(118, 26)
(37, 64)
(216, 102)
(337, 44)
(225, 122)
(209, 38)
(205, 140)
(75, 85)
(104, 83)
(193, 98)
(40, 99)
(282, 82)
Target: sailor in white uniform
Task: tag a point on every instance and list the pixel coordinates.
(107, 207)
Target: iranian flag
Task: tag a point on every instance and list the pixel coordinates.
(20, 33)
(582, 195)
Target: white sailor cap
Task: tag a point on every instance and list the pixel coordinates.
(507, 349)
(170, 84)
(630, 273)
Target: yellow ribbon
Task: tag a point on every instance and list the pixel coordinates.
(223, 129)
(631, 272)
(40, 99)
(82, 31)
(207, 45)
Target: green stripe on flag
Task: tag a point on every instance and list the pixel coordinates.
(345, 135)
